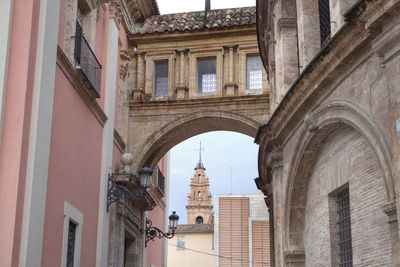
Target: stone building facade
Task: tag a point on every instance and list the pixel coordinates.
(329, 159)
(192, 73)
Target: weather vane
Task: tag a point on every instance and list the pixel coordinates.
(200, 151)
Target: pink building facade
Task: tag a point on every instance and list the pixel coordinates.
(63, 89)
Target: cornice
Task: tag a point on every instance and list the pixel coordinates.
(78, 84)
(119, 142)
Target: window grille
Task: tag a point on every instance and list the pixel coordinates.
(161, 78)
(254, 73)
(324, 21)
(161, 180)
(344, 229)
(180, 243)
(71, 244)
(207, 78)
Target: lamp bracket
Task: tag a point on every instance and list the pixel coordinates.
(116, 191)
(153, 232)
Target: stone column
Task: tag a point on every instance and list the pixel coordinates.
(286, 57)
(230, 86)
(138, 91)
(181, 88)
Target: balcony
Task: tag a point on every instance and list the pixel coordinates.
(87, 63)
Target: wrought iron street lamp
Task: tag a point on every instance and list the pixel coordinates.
(117, 191)
(153, 232)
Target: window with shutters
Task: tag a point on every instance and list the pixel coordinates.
(161, 78)
(260, 243)
(234, 231)
(206, 75)
(254, 73)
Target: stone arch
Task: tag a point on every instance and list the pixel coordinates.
(184, 127)
(315, 129)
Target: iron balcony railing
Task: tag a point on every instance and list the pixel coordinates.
(161, 180)
(87, 63)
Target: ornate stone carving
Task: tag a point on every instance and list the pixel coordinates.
(310, 121)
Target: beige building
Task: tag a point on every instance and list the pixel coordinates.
(329, 159)
(241, 231)
(192, 246)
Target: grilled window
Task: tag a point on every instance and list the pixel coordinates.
(344, 229)
(71, 244)
(254, 73)
(161, 78)
(324, 21)
(206, 76)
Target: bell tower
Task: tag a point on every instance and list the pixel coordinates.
(199, 206)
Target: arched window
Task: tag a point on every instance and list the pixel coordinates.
(199, 195)
(199, 178)
(199, 220)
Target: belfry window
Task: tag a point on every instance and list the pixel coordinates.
(199, 195)
(199, 178)
(344, 229)
(254, 73)
(324, 21)
(206, 75)
(161, 78)
(199, 220)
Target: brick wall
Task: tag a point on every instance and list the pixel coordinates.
(346, 157)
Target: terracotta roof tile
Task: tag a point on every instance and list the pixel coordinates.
(192, 21)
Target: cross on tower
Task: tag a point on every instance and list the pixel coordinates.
(200, 151)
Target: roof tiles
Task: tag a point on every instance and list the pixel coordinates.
(194, 21)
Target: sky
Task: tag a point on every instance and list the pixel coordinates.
(222, 151)
(179, 6)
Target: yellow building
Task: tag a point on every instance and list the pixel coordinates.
(192, 246)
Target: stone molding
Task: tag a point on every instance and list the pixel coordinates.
(119, 142)
(294, 257)
(390, 210)
(275, 159)
(78, 84)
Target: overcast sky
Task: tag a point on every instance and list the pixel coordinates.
(179, 6)
(222, 150)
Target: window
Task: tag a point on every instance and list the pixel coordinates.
(254, 73)
(161, 78)
(199, 195)
(180, 243)
(344, 229)
(324, 21)
(199, 220)
(206, 75)
(199, 178)
(71, 244)
(73, 222)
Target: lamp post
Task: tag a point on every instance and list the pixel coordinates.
(153, 232)
(117, 191)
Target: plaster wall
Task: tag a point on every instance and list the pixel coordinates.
(74, 171)
(190, 256)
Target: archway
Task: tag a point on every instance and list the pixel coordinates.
(182, 128)
(329, 154)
